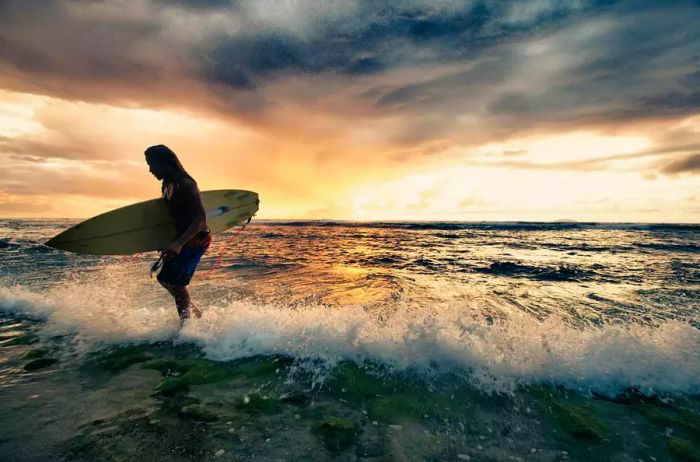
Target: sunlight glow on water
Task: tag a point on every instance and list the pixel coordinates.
(481, 310)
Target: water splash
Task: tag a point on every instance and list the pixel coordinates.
(497, 355)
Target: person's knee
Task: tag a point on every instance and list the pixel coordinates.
(180, 292)
(175, 291)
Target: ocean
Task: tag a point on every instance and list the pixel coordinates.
(358, 341)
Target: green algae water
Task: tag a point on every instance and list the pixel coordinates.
(359, 341)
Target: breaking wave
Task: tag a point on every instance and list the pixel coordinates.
(496, 355)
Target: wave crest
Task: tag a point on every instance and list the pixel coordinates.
(496, 355)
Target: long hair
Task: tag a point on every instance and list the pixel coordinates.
(163, 154)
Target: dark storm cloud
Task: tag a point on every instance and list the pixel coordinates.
(52, 37)
(645, 63)
(690, 164)
(626, 62)
(408, 94)
(442, 91)
(368, 38)
(507, 66)
(198, 4)
(376, 37)
(634, 61)
(90, 51)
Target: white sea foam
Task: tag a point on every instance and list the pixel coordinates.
(498, 356)
(105, 311)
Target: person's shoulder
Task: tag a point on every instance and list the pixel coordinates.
(187, 182)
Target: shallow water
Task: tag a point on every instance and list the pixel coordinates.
(359, 341)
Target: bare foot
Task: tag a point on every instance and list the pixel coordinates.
(195, 312)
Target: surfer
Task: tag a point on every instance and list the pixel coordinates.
(193, 236)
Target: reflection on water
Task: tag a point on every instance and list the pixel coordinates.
(424, 341)
(584, 274)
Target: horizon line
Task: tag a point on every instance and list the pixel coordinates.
(562, 221)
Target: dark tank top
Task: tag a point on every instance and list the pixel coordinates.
(183, 209)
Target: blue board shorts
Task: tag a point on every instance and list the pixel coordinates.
(178, 270)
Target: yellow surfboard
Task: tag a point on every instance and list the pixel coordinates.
(146, 226)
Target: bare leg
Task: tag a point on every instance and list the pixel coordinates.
(195, 311)
(182, 301)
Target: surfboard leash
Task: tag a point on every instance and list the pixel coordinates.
(219, 257)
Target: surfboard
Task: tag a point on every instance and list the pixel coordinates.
(146, 226)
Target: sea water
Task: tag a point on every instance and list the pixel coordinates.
(358, 341)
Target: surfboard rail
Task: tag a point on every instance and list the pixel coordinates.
(146, 226)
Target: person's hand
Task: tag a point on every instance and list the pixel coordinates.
(173, 250)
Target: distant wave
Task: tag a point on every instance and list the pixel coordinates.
(693, 248)
(561, 273)
(514, 226)
(271, 235)
(581, 247)
(5, 243)
(381, 260)
(673, 227)
(424, 225)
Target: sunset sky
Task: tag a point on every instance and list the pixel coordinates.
(358, 110)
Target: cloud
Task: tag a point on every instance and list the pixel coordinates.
(366, 39)
(633, 64)
(197, 4)
(621, 162)
(19, 205)
(28, 178)
(113, 52)
(659, 153)
(373, 89)
(633, 61)
(526, 64)
(37, 151)
(690, 164)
